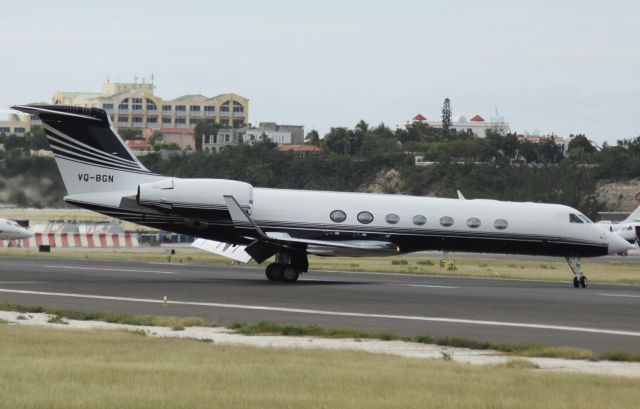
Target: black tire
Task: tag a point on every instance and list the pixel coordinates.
(289, 274)
(274, 272)
(583, 282)
(576, 282)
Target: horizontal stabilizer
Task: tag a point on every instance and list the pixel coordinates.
(232, 251)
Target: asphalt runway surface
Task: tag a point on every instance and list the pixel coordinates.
(602, 317)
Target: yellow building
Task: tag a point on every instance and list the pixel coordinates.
(133, 105)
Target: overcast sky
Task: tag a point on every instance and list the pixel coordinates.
(551, 66)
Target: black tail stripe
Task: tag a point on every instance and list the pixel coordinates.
(64, 150)
(82, 161)
(79, 149)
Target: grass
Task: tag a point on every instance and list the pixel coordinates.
(144, 320)
(51, 368)
(520, 364)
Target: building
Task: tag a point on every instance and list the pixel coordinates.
(279, 134)
(183, 137)
(134, 105)
(476, 124)
(16, 124)
(563, 143)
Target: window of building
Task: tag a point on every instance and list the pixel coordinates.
(123, 120)
(181, 108)
(124, 104)
(194, 108)
(137, 120)
(237, 107)
(107, 106)
(166, 108)
(193, 121)
(419, 220)
(392, 218)
(151, 106)
(5, 129)
(166, 120)
(338, 216)
(226, 138)
(209, 108)
(181, 121)
(224, 123)
(224, 107)
(18, 130)
(365, 217)
(136, 104)
(500, 224)
(473, 222)
(152, 120)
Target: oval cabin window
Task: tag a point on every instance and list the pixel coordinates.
(419, 220)
(500, 224)
(338, 216)
(365, 217)
(473, 222)
(392, 218)
(446, 221)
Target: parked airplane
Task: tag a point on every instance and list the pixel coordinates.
(235, 219)
(629, 228)
(10, 230)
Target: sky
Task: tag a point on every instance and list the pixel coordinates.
(561, 67)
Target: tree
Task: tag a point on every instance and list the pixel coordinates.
(19, 198)
(446, 116)
(339, 140)
(581, 142)
(156, 138)
(312, 138)
(204, 128)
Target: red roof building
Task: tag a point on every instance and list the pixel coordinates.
(420, 118)
(477, 118)
(300, 150)
(138, 145)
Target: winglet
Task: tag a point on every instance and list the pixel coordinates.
(460, 196)
(633, 217)
(240, 217)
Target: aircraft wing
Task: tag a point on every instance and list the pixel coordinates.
(267, 244)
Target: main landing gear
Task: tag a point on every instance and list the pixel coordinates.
(288, 267)
(580, 280)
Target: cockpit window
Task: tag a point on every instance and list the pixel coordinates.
(585, 218)
(573, 218)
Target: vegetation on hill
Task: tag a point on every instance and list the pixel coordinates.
(497, 166)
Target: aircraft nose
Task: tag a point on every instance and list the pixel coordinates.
(618, 245)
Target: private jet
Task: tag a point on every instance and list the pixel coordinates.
(628, 229)
(10, 230)
(237, 220)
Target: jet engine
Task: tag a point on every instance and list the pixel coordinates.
(194, 197)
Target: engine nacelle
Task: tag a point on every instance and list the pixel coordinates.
(194, 197)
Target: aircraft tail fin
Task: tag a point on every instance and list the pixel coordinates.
(634, 217)
(90, 154)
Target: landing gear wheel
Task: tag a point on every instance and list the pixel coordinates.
(289, 274)
(274, 272)
(583, 281)
(576, 282)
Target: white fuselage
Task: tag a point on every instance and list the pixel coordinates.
(10, 230)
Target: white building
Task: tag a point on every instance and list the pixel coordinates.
(278, 134)
(476, 124)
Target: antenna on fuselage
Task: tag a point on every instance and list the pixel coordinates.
(460, 195)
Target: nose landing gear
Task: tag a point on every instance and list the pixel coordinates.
(579, 279)
(287, 267)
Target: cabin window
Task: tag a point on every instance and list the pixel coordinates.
(446, 221)
(338, 216)
(419, 220)
(573, 218)
(392, 218)
(365, 217)
(473, 222)
(500, 224)
(585, 218)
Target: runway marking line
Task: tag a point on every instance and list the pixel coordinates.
(122, 270)
(620, 295)
(334, 313)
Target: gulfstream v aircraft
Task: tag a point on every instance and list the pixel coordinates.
(240, 221)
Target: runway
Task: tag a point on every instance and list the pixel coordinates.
(602, 318)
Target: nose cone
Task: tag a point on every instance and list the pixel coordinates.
(619, 245)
